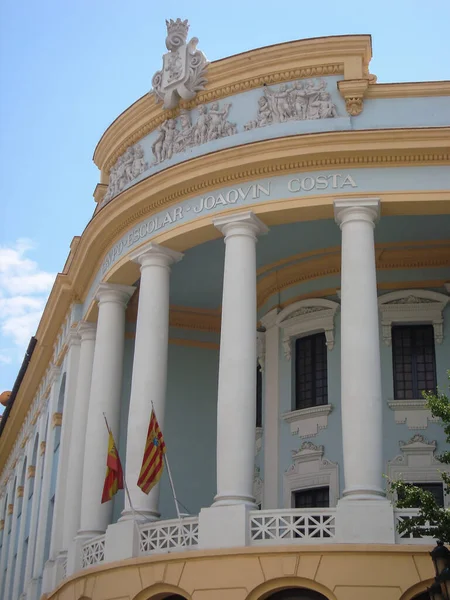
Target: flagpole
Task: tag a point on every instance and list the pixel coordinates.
(169, 473)
(133, 510)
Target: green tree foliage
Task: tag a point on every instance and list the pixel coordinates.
(432, 520)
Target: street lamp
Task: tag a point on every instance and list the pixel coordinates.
(440, 556)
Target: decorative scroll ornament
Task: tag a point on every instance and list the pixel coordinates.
(297, 102)
(184, 67)
(128, 166)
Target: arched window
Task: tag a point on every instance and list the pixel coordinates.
(296, 594)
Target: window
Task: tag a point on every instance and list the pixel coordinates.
(258, 396)
(436, 489)
(312, 498)
(413, 361)
(311, 386)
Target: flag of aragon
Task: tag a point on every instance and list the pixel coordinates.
(153, 461)
(114, 473)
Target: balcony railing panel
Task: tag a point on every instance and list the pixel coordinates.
(93, 552)
(292, 526)
(404, 514)
(168, 536)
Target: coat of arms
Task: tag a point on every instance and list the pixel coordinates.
(183, 72)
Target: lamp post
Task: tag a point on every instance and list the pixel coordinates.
(440, 556)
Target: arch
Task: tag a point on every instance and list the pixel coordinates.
(296, 594)
(162, 591)
(418, 591)
(266, 590)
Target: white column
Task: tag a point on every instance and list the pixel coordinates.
(149, 368)
(48, 449)
(9, 499)
(35, 506)
(29, 480)
(51, 577)
(360, 351)
(17, 501)
(105, 394)
(271, 409)
(72, 506)
(237, 383)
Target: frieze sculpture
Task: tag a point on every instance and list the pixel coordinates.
(184, 67)
(211, 124)
(128, 166)
(297, 102)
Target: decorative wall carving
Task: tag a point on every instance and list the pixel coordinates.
(307, 422)
(211, 124)
(128, 166)
(258, 485)
(412, 306)
(417, 463)
(258, 440)
(298, 101)
(414, 413)
(307, 316)
(309, 469)
(184, 67)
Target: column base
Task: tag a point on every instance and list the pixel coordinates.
(224, 526)
(365, 522)
(233, 500)
(34, 588)
(363, 493)
(122, 541)
(141, 517)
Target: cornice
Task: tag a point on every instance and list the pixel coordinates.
(387, 257)
(409, 90)
(346, 55)
(376, 148)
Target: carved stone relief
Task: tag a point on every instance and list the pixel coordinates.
(128, 166)
(296, 102)
(176, 135)
(184, 67)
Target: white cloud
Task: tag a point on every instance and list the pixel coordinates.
(24, 288)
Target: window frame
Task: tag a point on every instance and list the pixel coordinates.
(413, 330)
(313, 338)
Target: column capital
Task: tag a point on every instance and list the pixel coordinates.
(114, 292)
(270, 319)
(245, 223)
(154, 255)
(73, 338)
(87, 330)
(54, 375)
(356, 209)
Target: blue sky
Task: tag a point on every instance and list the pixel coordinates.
(69, 68)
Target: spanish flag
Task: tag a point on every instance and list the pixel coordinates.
(114, 473)
(153, 461)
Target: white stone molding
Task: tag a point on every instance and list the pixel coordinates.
(306, 317)
(261, 349)
(413, 413)
(184, 67)
(271, 407)
(258, 440)
(298, 101)
(309, 469)
(412, 306)
(258, 487)
(307, 422)
(417, 463)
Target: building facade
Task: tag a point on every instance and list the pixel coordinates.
(268, 264)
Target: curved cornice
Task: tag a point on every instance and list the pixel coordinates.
(348, 55)
(328, 262)
(376, 148)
